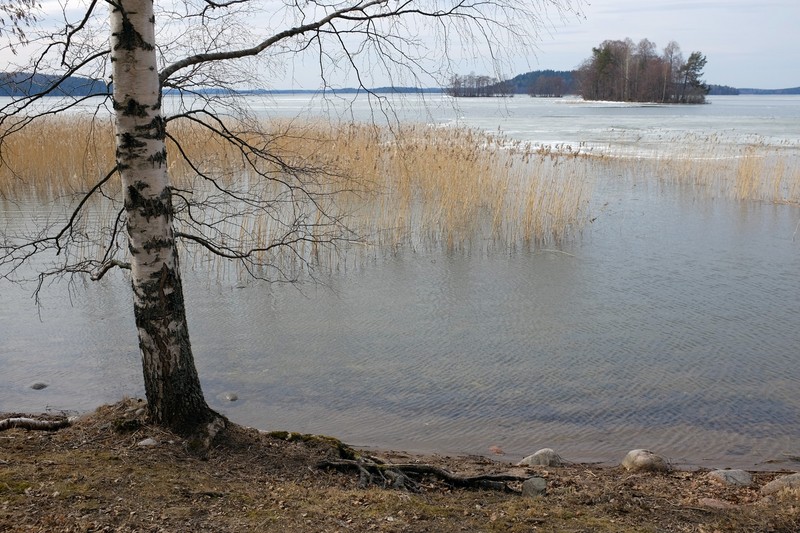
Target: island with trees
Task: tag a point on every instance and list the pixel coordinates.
(617, 70)
(627, 72)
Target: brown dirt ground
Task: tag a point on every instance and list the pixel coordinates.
(92, 476)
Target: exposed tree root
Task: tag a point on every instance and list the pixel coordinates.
(30, 423)
(200, 442)
(397, 475)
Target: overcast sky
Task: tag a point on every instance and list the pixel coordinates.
(748, 43)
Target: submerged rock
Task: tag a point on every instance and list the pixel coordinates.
(732, 477)
(544, 457)
(644, 461)
(38, 385)
(227, 396)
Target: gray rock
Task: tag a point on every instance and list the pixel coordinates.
(792, 481)
(732, 477)
(544, 457)
(535, 486)
(147, 442)
(644, 461)
(38, 385)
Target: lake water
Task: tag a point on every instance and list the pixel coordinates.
(671, 323)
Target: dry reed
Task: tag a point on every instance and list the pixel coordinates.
(751, 171)
(413, 185)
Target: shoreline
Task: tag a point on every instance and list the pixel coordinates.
(786, 461)
(109, 470)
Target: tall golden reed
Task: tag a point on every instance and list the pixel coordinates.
(751, 171)
(412, 184)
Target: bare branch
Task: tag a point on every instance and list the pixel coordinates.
(108, 265)
(286, 34)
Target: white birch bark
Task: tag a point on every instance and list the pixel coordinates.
(174, 396)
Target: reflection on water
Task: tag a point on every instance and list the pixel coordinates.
(671, 324)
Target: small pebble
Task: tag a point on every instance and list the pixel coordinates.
(147, 442)
(39, 385)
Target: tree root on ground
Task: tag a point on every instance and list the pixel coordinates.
(375, 472)
(31, 423)
(201, 441)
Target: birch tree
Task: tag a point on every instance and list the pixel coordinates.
(190, 51)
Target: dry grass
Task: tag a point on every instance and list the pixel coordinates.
(92, 476)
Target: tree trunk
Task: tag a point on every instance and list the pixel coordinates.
(175, 398)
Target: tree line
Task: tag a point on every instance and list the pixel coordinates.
(629, 72)
(477, 85)
(550, 83)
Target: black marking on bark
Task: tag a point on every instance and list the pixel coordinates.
(132, 108)
(159, 206)
(159, 158)
(128, 38)
(157, 244)
(155, 129)
(129, 142)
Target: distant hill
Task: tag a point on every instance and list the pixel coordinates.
(346, 90)
(522, 83)
(24, 84)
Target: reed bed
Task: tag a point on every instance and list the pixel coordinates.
(753, 170)
(379, 188)
(56, 156)
(369, 188)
